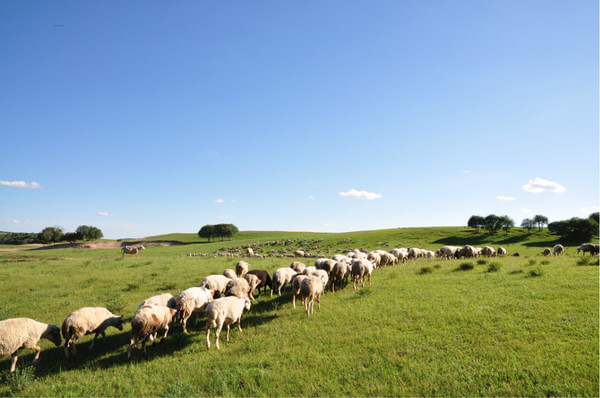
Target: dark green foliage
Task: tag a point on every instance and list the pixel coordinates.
(88, 232)
(466, 266)
(51, 235)
(425, 270)
(481, 261)
(575, 229)
(494, 267)
(476, 222)
(536, 272)
(218, 231)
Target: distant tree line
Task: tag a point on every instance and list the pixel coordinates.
(221, 231)
(52, 235)
(571, 230)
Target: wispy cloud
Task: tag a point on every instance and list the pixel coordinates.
(16, 222)
(539, 185)
(225, 217)
(311, 197)
(353, 193)
(466, 171)
(500, 197)
(526, 210)
(219, 201)
(20, 184)
(105, 214)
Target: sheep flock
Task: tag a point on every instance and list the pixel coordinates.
(224, 298)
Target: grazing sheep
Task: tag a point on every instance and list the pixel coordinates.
(238, 287)
(146, 322)
(241, 268)
(387, 259)
(586, 247)
(546, 252)
(488, 251)
(448, 252)
(224, 311)
(215, 282)
(253, 282)
(249, 252)
(165, 299)
(229, 273)
(299, 253)
(322, 275)
(502, 251)
(296, 281)
(558, 249)
(311, 288)
(191, 301)
(298, 266)
(132, 250)
(325, 264)
(281, 277)
(361, 269)
(467, 252)
(87, 320)
(265, 279)
(18, 333)
(374, 257)
(339, 274)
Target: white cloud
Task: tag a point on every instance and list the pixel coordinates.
(353, 193)
(539, 185)
(506, 198)
(104, 214)
(224, 217)
(311, 197)
(20, 184)
(219, 201)
(526, 210)
(466, 171)
(17, 222)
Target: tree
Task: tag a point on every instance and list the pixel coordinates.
(51, 234)
(492, 223)
(540, 221)
(207, 232)
(507, 223)
(87, 232)
(71, 237)
(575, 229)
(528, 223)
(595, 216)
(476, 222)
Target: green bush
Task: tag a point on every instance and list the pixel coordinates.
(466, 266)
(425, 270)
(536, 272)
(494, 267)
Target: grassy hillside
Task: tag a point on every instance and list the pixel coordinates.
(434, 328)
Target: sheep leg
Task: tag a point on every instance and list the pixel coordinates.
(217, 334)
(228, 329)
(165, 335)
(13, 364)
(294, 300)
(240, 323)
(37, 349)
(184, 323)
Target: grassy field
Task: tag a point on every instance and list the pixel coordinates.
(513, 326)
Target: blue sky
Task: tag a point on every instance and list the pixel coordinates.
(151, 117)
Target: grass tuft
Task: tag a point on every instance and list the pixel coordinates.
(494, 267)
(466, 266)
(425, 270)
(536, 272)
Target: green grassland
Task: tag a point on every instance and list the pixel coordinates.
(512, 326)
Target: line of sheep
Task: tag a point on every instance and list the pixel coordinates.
(237, 286)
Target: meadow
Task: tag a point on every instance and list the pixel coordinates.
(511, 326)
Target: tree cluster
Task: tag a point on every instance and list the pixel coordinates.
(576, 229)
(491, 223)
(221, 231)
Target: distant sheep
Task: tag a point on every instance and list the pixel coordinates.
(558, 250)
(361, 269)
(87, 320)
(546, 252)
(132, 250)
(191, 302)
(488, 251)
(502, 251)
(146, 322)
(224, 311)
(339, 274)
(18, 333)
(298, 266)
(588, 247)
(388, 259)
(448, 252)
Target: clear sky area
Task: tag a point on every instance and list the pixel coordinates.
(150, 117)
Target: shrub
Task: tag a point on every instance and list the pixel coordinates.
(467, 266)
(425, 270)
(494, 267)
(481, 261)
(545, 262)
(536, 272)
(531, 262)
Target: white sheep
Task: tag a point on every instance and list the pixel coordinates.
(558, 249)
(502, 251)
(311, 288)
(339, 274)
(546, 252)
(229, 273)
(87, 320)
(165, 299)
(253, 282)
(401, 254)
(132, 250)
(241, 268)
(298, 266)
(322, 275)
(215, 282)
(147, 321)
(238, 287)
(281, 277)
(18, 333)
(191, 301)
(361, 269)
(296, 282)
(386, 259)
(488, 251)
(224, 311)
